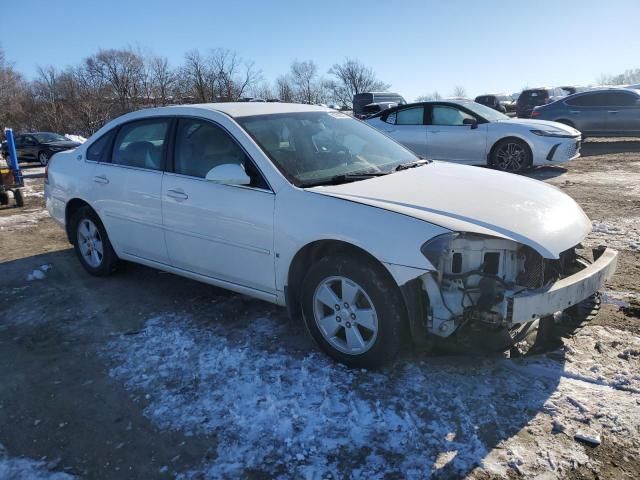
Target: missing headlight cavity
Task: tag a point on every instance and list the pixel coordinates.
(456, 263)
(491, 263)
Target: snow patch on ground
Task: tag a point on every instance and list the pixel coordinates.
(294, 414)
(622, 233)
(12, 468)
(38, 273)
(23, 220)
(620, 299)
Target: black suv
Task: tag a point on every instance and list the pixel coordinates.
(534, 97)
(500, 102)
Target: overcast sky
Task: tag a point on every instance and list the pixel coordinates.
(416, 46)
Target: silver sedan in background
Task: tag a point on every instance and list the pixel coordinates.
(597, 113)
(463, 131)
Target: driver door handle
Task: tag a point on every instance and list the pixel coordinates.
(613, 111)
(177, 194)
(101, 179)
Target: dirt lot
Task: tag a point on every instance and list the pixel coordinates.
(148, 375)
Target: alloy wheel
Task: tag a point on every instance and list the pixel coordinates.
(90, 243)
(345, 315)
(43, 159)
(510, 157)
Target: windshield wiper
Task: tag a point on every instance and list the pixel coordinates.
(344, 178)
(417, 163)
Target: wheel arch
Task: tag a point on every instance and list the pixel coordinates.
(311, 253)
(70, 210)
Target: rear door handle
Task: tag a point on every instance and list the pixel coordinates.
(177, 194)
(613, 111)
(101, 179)
(575, 112)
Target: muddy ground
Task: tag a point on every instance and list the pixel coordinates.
(149, 375)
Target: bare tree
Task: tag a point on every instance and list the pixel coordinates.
(351, 78)
(308, 87)
(459, 92)
(426, 98)
(199, 76)
(628, 77)
(123, 71)
(13, 93)
(46, 90)
(163, 79)
(284, 89)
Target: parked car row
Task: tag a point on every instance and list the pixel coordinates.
(311, 209)
(467, 132)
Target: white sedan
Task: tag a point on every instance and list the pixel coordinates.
(467, 132)
(310, 209)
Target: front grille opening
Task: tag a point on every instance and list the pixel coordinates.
(491, 264)
(456, 263)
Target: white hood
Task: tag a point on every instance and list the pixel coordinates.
(478, 200)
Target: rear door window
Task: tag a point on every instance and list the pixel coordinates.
(441, 115)
(141, 144)
(410, 116)
(621, 99)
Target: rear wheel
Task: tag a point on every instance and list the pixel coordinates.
(18, 197)
(92, 244)
(353, 310)
(511, 155)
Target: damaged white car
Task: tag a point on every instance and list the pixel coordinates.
(308, 208)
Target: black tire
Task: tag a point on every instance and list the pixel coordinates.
(384, 295)
(109, 260)
(45, 160)
(496, 160)
(18, 197)
(4, 198)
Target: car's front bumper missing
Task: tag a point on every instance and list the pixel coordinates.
(534, 304)
(517, 305)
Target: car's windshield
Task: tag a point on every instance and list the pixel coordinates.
(49, 137)
(312, 147)
(485, 112)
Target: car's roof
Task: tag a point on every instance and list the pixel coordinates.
(246, 109)
(607, 89)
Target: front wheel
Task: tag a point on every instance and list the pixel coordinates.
(511, 155)
(43, 158)
(92, 245)
(353, 310)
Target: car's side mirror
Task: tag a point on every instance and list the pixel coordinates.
(472, 122)
(228, 174)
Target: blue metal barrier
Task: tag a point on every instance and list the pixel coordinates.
(14, 165)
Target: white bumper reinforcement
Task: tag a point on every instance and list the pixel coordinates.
(534, 304)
